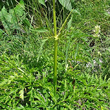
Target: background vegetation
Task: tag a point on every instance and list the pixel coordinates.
(27, 55)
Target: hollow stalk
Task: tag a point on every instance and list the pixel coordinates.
(55, 48)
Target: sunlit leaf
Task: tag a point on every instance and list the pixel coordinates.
(21, 92)
(66, 4)
(42, 2)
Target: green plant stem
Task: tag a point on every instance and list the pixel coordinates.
(55, 48)
(55, 66)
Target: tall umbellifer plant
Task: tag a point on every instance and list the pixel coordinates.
(68, 6)
(55, 48)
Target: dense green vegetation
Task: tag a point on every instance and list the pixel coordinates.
(55, 60)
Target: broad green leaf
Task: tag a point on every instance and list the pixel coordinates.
(75, 11)
(5, 19)
(9, 19)
(19, 9)
(22, 4)
(42, 2)
(66, 4)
